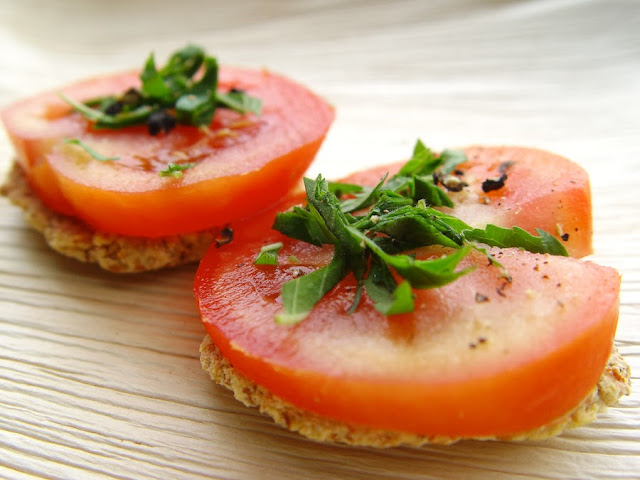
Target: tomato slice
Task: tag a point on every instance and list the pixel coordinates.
(542, 190)
(478, 357)
(242, 163)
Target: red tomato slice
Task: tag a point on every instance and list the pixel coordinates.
(242, 163)
(542, 190)
(457, 366)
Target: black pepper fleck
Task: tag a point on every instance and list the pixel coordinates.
(480, 298)
(491, 184)
(565, 236)
(160, 121)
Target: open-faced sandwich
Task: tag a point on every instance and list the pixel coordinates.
(440, 302)
(144, 169)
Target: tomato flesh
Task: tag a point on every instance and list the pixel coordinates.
(479, 357)
(457, 366)
(242, 163)
(542, 190)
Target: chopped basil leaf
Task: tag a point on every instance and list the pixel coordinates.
(363, 199)
(418, 227)
(388, 297)
(240, 102)
(427, 273)
(89, 150)
(186, 61)
(153, 85)
(175, 169)
(300, 295)
(495, 236)
(195, 109)
(422, 162)
(327, 205)
(303, 224)
(450, 160)
(339, 189)
(90, 113)
(400, 218)
(268, 254)
(175, 89)
(425, 189)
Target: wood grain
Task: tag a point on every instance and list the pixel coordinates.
(99, 374)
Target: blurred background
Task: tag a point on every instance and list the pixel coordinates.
(549, 73)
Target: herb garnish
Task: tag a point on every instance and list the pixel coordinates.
(173, 94)
(268, 254)
(175, 169)
(89, 150)
(400, 218)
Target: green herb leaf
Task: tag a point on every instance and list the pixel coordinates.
(401, 217)
(425, 189)
(301, 294)
(450, 159)
(197, 106)
(152, 82)
(428, 273)
(339, 189)
(89, 150)
(305, 225)
(328, 207)
(184, 62)
(195, 109)
(388, 297)
(128, 118)
(268, 254)
(175, 169)
(363, 199)
(422, 162)
(176, 86)
(495, 236)
(417, 227)
(208, 84)
(89, 113)
(241, 102)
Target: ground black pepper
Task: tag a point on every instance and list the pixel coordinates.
(491, 184)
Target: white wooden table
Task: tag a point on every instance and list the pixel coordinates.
(99, 374)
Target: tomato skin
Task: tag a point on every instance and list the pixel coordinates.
(545, 345)
(542, 190)
(242, 163)
(189, 208)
